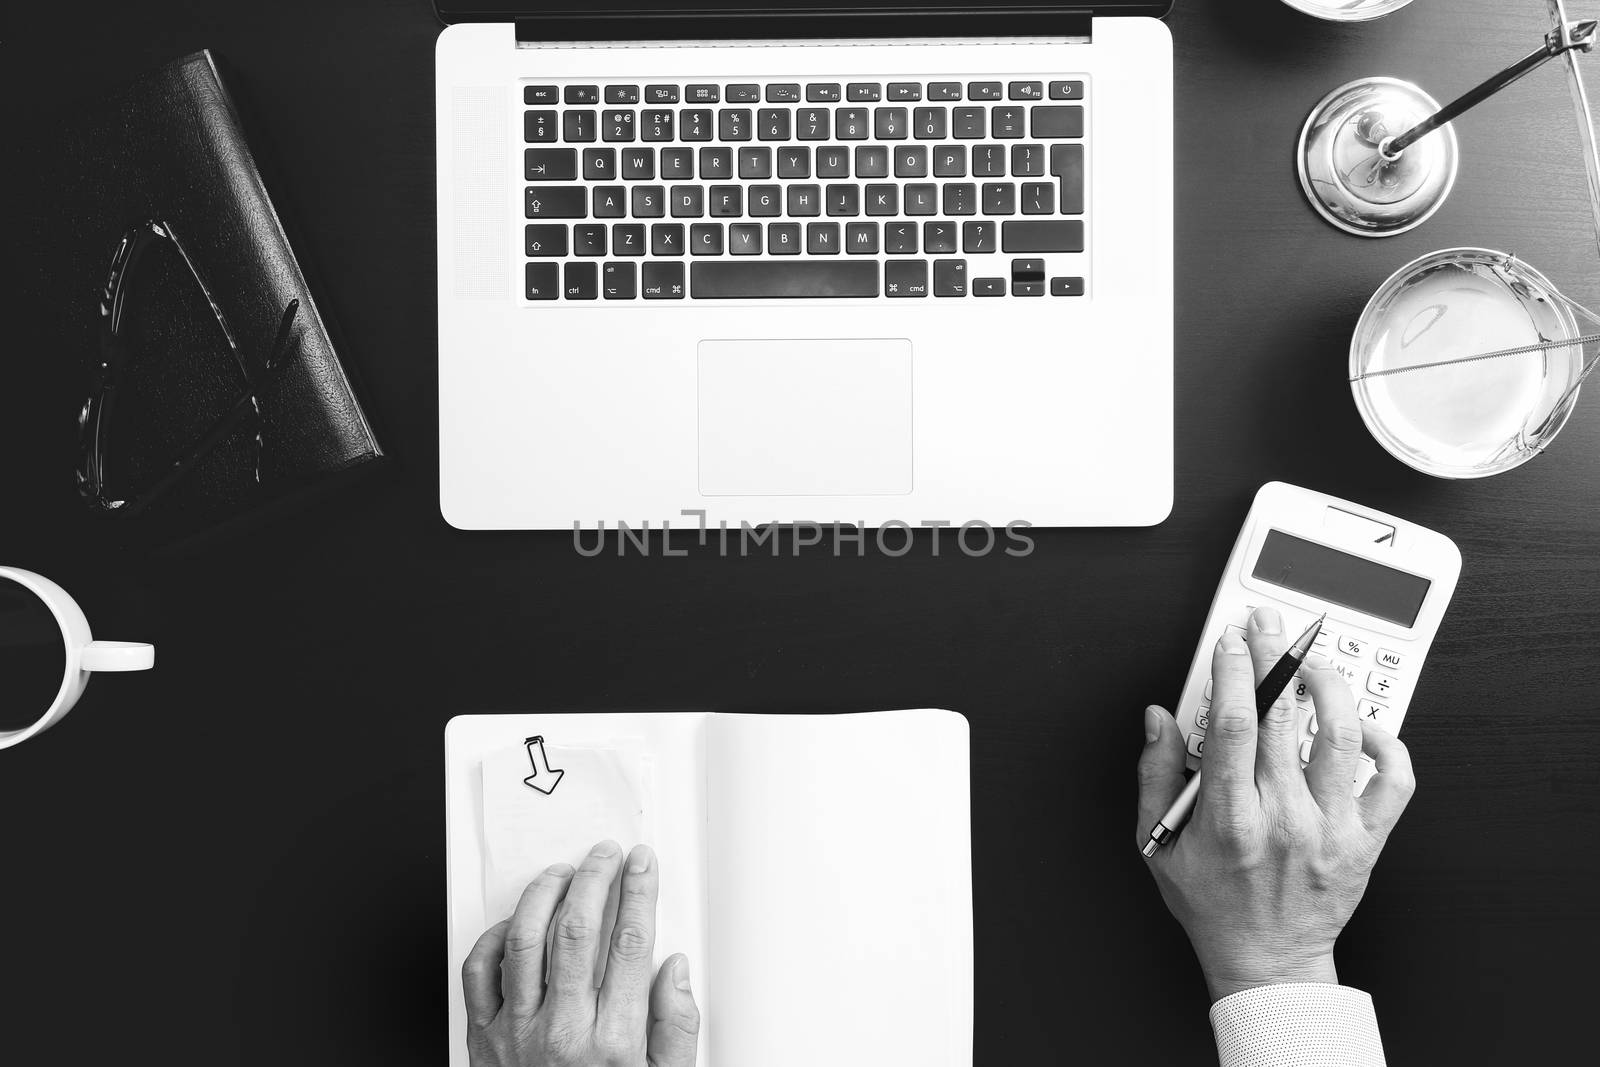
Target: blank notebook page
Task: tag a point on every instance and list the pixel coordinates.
(839, 870)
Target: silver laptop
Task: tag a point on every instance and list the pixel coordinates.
(742, 263)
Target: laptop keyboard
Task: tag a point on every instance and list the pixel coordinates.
(930, 189)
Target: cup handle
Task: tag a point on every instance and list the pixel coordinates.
(117, 656)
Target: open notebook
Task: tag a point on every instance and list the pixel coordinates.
(816, 869)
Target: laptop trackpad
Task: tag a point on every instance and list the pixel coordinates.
(805, 418)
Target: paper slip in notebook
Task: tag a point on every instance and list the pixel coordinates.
(816, 869)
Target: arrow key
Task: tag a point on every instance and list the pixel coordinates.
(550, 164)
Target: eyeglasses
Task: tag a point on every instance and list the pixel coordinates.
(118, 357)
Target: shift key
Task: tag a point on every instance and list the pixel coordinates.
(557, 202)
(1044, 235)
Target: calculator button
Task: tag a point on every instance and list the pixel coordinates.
(1374, 712)
(1348, 671)
(1305, 752)
(1197, 745)
(1311, 724)
(1235, 630)
(1380, 685)
(1390, 659)
(1202, 719)
(1302, 692)
(1208, 689)
(1352, 646)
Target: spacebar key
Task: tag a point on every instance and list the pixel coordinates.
(777, 280)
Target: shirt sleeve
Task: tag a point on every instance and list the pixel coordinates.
(1298, 1024)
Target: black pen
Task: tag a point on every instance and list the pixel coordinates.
(1267, 693)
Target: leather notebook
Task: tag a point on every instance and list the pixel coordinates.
(209, 386)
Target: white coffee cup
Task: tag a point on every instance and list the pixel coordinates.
(84, 655)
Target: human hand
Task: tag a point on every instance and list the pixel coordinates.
(517, 1019)
(1273, 860)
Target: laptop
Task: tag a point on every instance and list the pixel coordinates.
(741, 264)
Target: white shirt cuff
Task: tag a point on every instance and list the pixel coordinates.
(1299, 1024)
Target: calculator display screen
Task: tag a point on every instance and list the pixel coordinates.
(1340, 578)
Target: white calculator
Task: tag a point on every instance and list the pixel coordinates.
(1383, 582)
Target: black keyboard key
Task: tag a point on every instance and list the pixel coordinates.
(705, 239)
(550, 164)
(661, 94)
(944, 91)
(1027, 160)
(539, 127)
(1006, 123)
(733, 124)
(1066, 90)
(622, 94)
(727, 201)
(1066, 163)
(1038, 198)
(542, 281)
(639, 164)
(744, 239)
(930, 123)
(1027, 90)
(861, 238)
(864, 92)
(922, 199)
(556, 202)
(872, 161)
(794, 162)
(755, 162)
(905, 277)
(978, 238)
(783, 238)
(649, 201)
(911, 161)
(1057, 121)
(824, 93)
(989, 161)
(1027, 288)
(610, 202)
(796, 279)
(578, 125)
(822, 239)
(950, 161)
(688, 201)
(766, 201)
(905, 91)
(583, 94)
(589, 240)
(619, 281)
(664, 281)
(1027, 277)
(883, 200)
(695, 124)
(773, 124)
(656, 125)
(900, 238)
(960, 198)
(938, 238)
(540, 94)
(950, 277)
(600, 165)
(677, 164)
(716, 163)
(833, 162)
(545, 241)
(844, 201)
(1066, 286)
(890, 123)
(985, 91)
(971, 123)
(627, 239)
(813, 123)
(783, 93)
(999, 198)
(853, 124)
(582, 281)
(666, 239)
(805, 201)
(702, 94)
(744, 93)
(989, 287)
(1042, 236)
(617, 125)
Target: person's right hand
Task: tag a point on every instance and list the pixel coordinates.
(1274, 859)
(516, 1019)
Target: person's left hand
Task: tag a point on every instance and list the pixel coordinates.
(516, 1019)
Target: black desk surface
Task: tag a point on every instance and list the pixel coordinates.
(239, 858)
